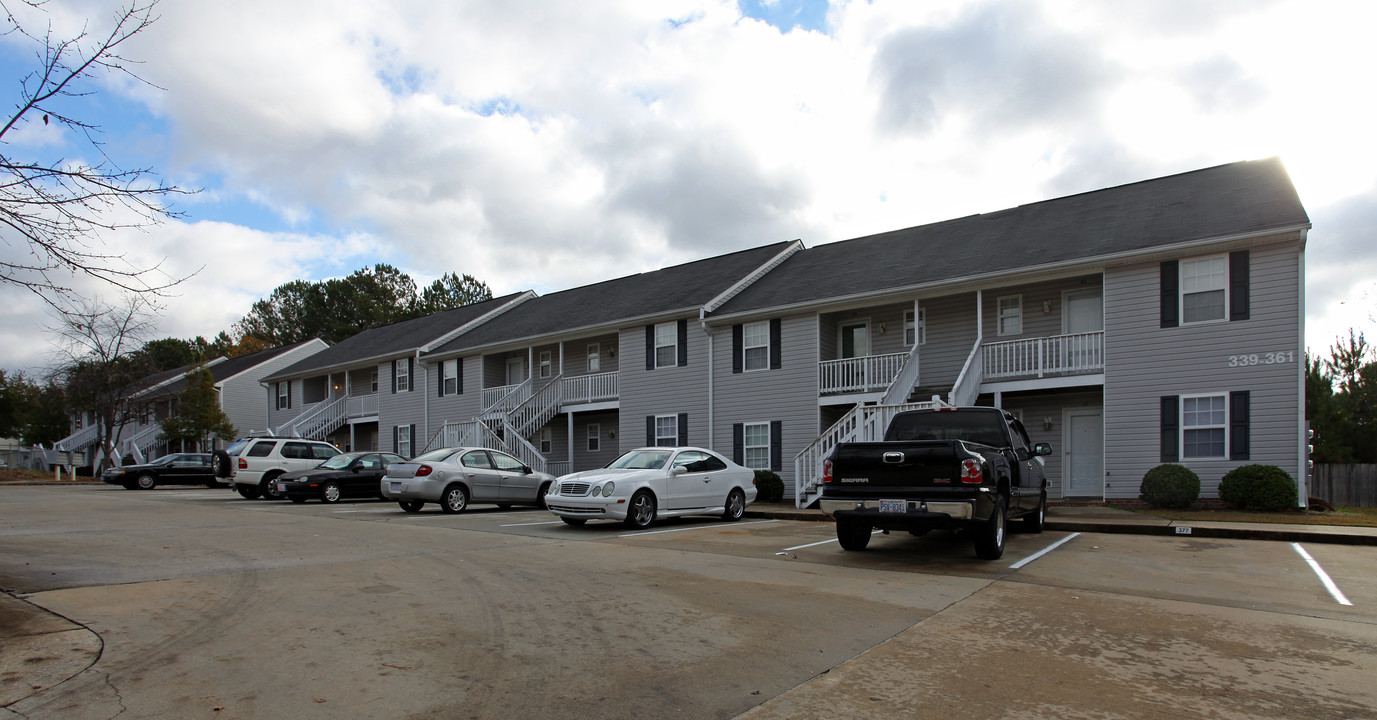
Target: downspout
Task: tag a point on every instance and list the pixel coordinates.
(703, 322)
(425, 390)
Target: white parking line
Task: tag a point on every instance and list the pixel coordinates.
(698, 527)
(1042, 552)
(823, 542)
(1329, 585)
(549, 522)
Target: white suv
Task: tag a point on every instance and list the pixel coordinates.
(252, 464)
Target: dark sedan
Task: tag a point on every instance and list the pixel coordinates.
(175, 469)
(355, 474)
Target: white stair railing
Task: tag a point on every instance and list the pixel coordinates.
(79, 440)
(967, 386)
(861, 374)
(143, 441)
(323, 420)
(592, 388)
(863, 423)
(1056, 355)
(542, 405)
(521, 449)
(903, 384)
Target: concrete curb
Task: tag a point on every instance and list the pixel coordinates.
(1337, 535)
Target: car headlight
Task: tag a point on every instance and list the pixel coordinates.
(607, 489)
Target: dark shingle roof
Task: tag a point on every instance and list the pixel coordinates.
(668, 290)
(1234, 199)
(395, 339)
(231, 366)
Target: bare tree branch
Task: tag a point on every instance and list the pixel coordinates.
(60, 211)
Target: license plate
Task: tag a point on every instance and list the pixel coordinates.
(282, 487)
(398, 487)
(893, 506)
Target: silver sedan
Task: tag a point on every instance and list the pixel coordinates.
(456, 476)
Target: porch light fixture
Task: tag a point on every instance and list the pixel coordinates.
(1047, 422)
(1046, 307)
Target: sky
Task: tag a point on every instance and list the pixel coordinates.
(542, 144)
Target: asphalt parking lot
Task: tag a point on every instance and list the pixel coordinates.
(190, 602)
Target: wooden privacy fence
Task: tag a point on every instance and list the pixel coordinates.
(1345, 485)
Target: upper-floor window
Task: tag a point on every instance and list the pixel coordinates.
(594, 358)
(1204, 422)
(373, 381)
(915, 327)
(450, 371)
(666, 430)
(1011, 315)
(284, 395)
(756, 345)
(403, 378)
(1204, 289)
(666, 345)
(545, 363)
(757, 446)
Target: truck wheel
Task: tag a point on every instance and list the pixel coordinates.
(1033, 521)
(853, 535)
(989, 541)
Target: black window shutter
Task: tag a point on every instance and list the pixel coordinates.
(1171, 302)
(650, 430)
(649, 347)
(289, 394)
(440, 374)
(394, 377)
(1171, 418)
(410, 374)
(412, 435)
(776, 445)
(1238, 285)
(1239, 446)
(776, 336)
(739, 443)
(459, 375)
(683, 428)
(394, 439)
(683, 343)
(738, 348)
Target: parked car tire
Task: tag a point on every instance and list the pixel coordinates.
(268, 488)
(146, 482)
(130, 486)
(853, 535)
(1034, 521)
(540, 498)
(330, 492)
(454, 499)
(296, 499)
(641, 513)
(220, 464)
(989, 540)
(248, 492)
(411, 506)
(736, 506)
(576, 522)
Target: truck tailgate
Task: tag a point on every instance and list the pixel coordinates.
(906, 464)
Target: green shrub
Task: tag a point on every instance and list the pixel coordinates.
(768, 486)
(1170, 486)
(1258, 487)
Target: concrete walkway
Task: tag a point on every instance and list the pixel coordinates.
(39, 649)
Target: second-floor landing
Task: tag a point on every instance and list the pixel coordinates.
(1025, 337)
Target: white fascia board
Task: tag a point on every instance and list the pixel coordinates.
(175, 378)
(614, 326)
(750, 279)
(1034, 273)
(514, 302)
(289, 353)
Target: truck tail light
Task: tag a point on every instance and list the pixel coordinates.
(826, 471)
(970, 472)
(423, 471)
(243, 464)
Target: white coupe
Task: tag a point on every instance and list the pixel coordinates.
(654, 482)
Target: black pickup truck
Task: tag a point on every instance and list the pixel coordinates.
(965, 468)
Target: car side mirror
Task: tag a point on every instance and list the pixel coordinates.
(526, 470)
(678, 470)
(1042, 449)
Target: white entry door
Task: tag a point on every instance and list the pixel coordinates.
(1083, 471)
(516, 370)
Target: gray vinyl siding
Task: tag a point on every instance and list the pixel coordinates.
(455, 408)
(576, 355)
(663, 391)
(788, 394)
(583, 458)
(1145, 361)
(243, 398)
(277, 417)
(495, 367)
(1036, 408)
(403, 407)
(951, 331)
(1042, 307)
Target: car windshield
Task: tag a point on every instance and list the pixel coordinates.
(435, 455)
(642, 460)
(340, 462)
(236, 447)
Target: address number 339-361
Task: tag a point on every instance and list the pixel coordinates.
(1271, 358)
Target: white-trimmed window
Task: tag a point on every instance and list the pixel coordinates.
(545, 363)
(756, 446)
(1204, 426)
(594, 358)
(1011, 315)
(666, 430)
(547, 440)
(594, 437)
(403, 375)
(1204, 289)
(915, 329)
(284, 395)
(450, 371)
(755, 346)
(404, 440)
(666, 345)
(373, 381)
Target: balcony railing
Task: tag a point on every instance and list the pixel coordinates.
(872, 373)
(1076, 354)
(592, 388)
(365, 406)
